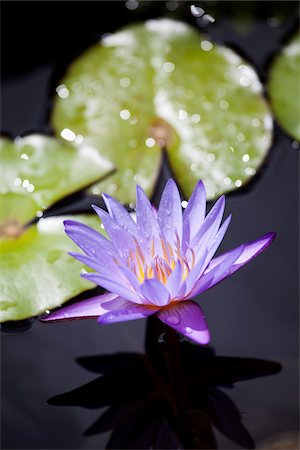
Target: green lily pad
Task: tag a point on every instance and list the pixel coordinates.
(37, 171)
(161, 84)
(284, 87)
(36, 272)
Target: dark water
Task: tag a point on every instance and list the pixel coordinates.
(137, 379)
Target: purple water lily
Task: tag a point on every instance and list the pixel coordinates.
(158, 263)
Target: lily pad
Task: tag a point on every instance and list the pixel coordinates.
(162, 84)
(284, 87)
(36, 272)
(38, 170)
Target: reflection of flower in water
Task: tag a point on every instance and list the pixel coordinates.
(167, 398)
(157, 264)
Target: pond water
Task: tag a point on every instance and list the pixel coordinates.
(137, 378)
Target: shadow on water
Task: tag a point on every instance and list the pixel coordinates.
(167, 398)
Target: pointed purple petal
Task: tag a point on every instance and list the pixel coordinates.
(129, 312)
(147, 224)
(86, 309)
(131, 277)
(120, 238)
(215, 242)
(217, 274)
(187, 318)
(250, 251)
(105, 267)
(119, 213)
(209, 227)
(155, 292)
(88, 239)
(194, 213)
(175, 280)
(194, 276)
(170, 213)
(110, 285)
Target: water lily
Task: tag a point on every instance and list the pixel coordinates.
(158, 263)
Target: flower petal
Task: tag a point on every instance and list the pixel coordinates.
(194, 213)
(174, 281)
(119, 213)
(147, 224)
(88, 239)
(86, 309)
(187, 318)
(155, 292)
(209, 227)
(170, 212)
(129, 312)
(217, 274)
(193, 276)
(250, 251)
(105, 267)
(120, 238)
(112, 286)
(215, 242)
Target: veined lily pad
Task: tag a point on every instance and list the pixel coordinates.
(36, 271)
(160, 84)
(37, 170)
(284, 87)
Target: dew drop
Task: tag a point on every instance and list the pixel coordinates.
(245, 81)
(295, 145)
(227, 180)
(194, 167)
(150, 142)
(255, 122)
(17, 181)
(196, 118)
(125, 114)
(96, 190)
(196, 11)
(39, 213)
(206, 46)
(182, 114)
(211, 157)
(232, 128)
(188, 330)
(68, 134)
(78, 139)
(24, 156)
(25, 183)
(250, 171)
(246, 157)
(172, 320)
(184, 204)
(238, 183)
(62, 91)
(241, 137)
(223, 104)
(125, 82)
(30, 188)
(168, 67)
(66, 315)
(47, 311)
